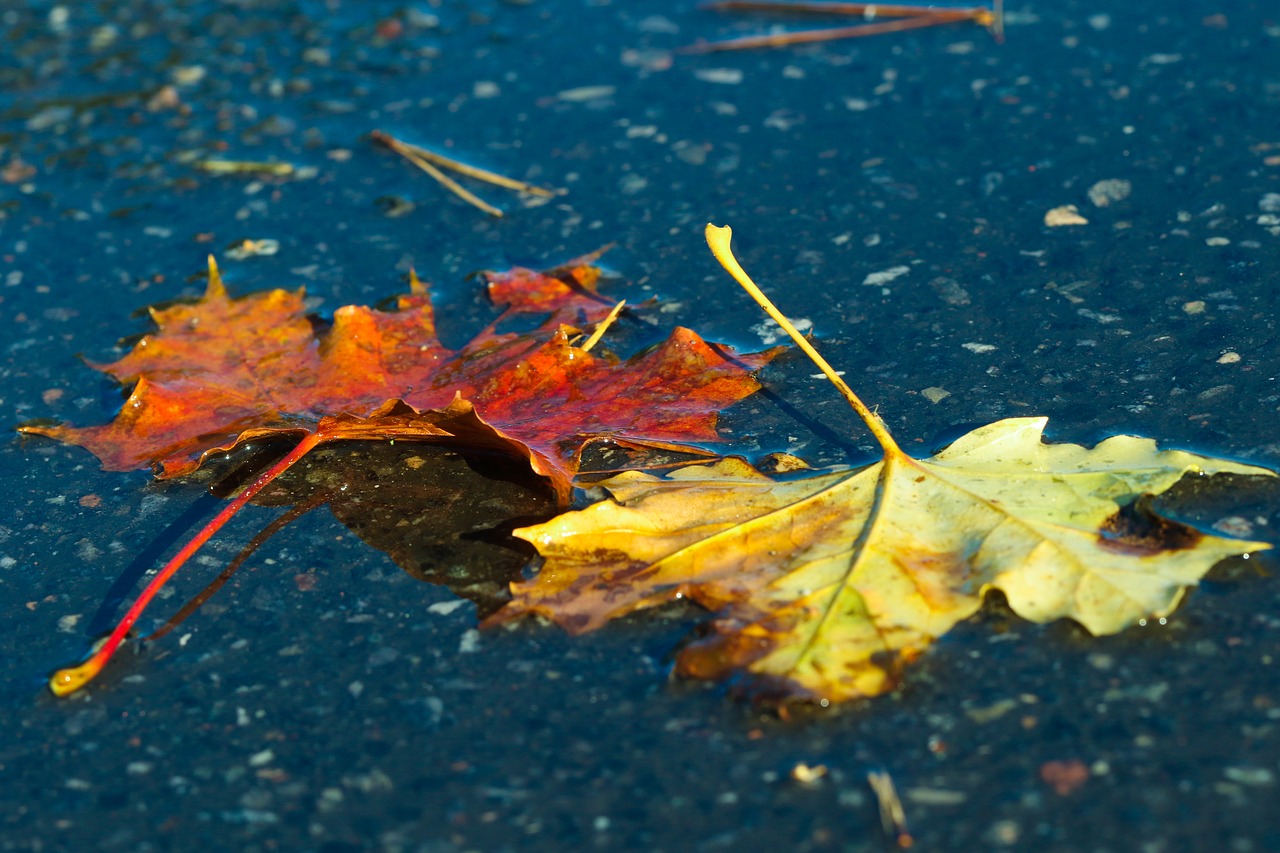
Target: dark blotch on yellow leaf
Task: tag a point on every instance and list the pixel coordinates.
(1135, 529)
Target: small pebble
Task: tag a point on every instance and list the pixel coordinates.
(1067, 214)
(1252, 776)
(934, 394)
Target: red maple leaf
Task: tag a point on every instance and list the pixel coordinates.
(225, 370)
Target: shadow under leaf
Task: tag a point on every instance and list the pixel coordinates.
(442, 515)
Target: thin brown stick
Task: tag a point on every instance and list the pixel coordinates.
(893, 818)
(870, 11)
(815, 36)
(452, 186)
(445, 181)
(482, 174)
(917, 17)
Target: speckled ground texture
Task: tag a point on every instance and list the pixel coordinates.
(326, 700)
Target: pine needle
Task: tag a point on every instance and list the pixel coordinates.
(432, 163)
(892, 816)
(909, 18)
(602, 327)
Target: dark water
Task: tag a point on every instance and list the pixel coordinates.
(344, 711)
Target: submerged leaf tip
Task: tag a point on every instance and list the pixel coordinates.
(64, 682)
(215, 288)
(416, 287)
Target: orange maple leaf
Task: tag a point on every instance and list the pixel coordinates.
(224, 370)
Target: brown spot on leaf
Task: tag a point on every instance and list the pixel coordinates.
(1136, 529)
(729, 648)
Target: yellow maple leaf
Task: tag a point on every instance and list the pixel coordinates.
(825, 586)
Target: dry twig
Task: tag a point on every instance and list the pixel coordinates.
(433, 163)
(909, 18)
